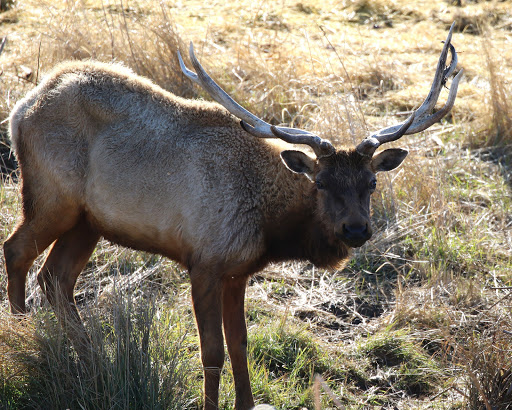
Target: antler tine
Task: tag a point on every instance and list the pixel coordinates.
(420, 119)
(189, 73)
(440, 74)
(249, 122)
(453, 63)
(416, 123)
(218, 94)
(424, 122)
(368, 145)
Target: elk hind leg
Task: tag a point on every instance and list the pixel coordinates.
(57, 278)
(28, 241)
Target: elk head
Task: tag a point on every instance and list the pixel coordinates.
(343, 180)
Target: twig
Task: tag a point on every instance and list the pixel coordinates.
(500, 300)
(327, 389)
(38, 60)
(2, 45)
(128, 37)
(460, 392)
(480, 390)
(316, 393)
(452, 387)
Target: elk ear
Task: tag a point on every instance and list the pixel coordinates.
(299, 162)
(388, 159)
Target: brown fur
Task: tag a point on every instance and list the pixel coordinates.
(103, 152)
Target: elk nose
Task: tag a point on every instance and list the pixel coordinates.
(356, 234)
(355, 231)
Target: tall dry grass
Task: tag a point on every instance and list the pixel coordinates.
(142, 360)
(500, 110)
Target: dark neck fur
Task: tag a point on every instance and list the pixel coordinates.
(300, 235)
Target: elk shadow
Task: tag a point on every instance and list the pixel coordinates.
(501, 156)
(8, 163)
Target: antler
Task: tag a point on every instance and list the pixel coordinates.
(421, 119)
(250, 123)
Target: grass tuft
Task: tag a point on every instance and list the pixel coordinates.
(396, 363)
(139, 361)
(500, 109)
(486, 356)
(283, 361)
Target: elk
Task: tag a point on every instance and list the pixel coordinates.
(105, 153)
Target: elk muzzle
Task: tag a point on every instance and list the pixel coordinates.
(354, 234)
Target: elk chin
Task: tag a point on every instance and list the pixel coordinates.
(354, 242)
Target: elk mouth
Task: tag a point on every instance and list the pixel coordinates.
(353, 243)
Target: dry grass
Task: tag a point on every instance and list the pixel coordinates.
(140, 361)
(430, 288)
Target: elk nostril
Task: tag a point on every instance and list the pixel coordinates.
(355, 230)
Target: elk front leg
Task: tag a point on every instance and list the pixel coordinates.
(235, 331)
(207, 301)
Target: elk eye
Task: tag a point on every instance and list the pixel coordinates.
(319, 185)
(373, 185)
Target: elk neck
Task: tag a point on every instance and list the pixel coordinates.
(295, 230)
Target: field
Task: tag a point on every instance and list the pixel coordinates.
(421, 316)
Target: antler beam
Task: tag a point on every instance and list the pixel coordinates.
(422, 118)
(251, 123)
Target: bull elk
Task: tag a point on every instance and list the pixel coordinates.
(105, 153)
